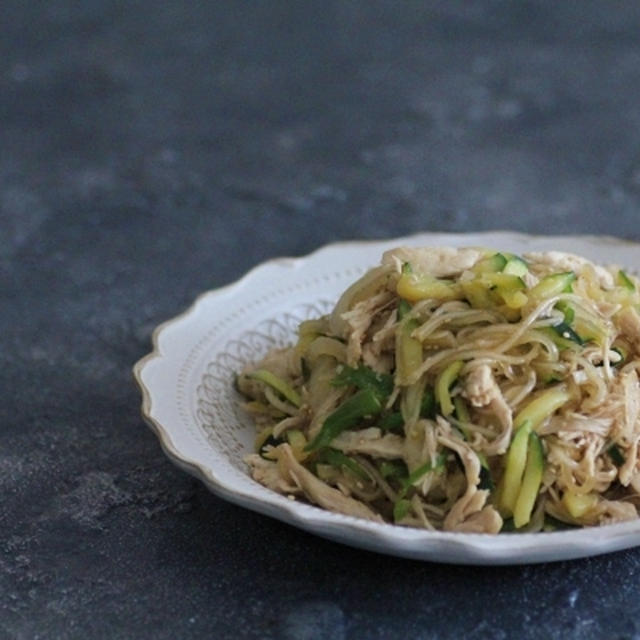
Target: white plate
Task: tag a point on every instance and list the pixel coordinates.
(189, 402)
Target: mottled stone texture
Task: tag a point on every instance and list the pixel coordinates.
(151, 150)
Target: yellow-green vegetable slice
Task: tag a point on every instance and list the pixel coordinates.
(408, 350)
(578, 504)
(462, 414)
(298, 442)
(491, 264)
(477, 293)
(527, 420)
(278, 384)
(543, 406)
(414, 287)
(531, 481)
(516, 266)
(516, 461)
(509, 287)
(552, 285)
(411, 402)
(443, 383)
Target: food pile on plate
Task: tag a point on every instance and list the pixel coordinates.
(461, 390)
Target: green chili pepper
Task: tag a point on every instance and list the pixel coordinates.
(417, 474)
(338, 459)
(365, 402)
(391, 422)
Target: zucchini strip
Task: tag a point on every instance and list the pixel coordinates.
(413, 287)
(516, 461)
(443, 383)
(408, 350)
(552, 285)
(528, 420)
(531, 481)
(543, 406)
(278, 384)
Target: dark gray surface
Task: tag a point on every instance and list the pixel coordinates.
(148, 152)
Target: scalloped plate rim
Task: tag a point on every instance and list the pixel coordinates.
(461, 548)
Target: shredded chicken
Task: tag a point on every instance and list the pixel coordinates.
(293, 422)
(481, 389)
(561, 261)
(359, 320)
(400, 405)
(465, 515)
(371, 442)
(630, 324)
(267, 473)
(440, 262)
(317, 491)
(420, 444)
(613, 511)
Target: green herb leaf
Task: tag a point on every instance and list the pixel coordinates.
(393, 469)
(428, 404)
(362, 404)
(365, 378)
(391, 422)
(337, 459)
(401, 509)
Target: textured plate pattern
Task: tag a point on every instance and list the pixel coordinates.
(190, 403)
(218, 410)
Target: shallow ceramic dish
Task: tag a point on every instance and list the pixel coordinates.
(190, 403)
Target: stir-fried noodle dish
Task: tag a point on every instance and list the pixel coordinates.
(460, 390)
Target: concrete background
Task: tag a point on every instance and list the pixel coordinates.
(150, 151)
